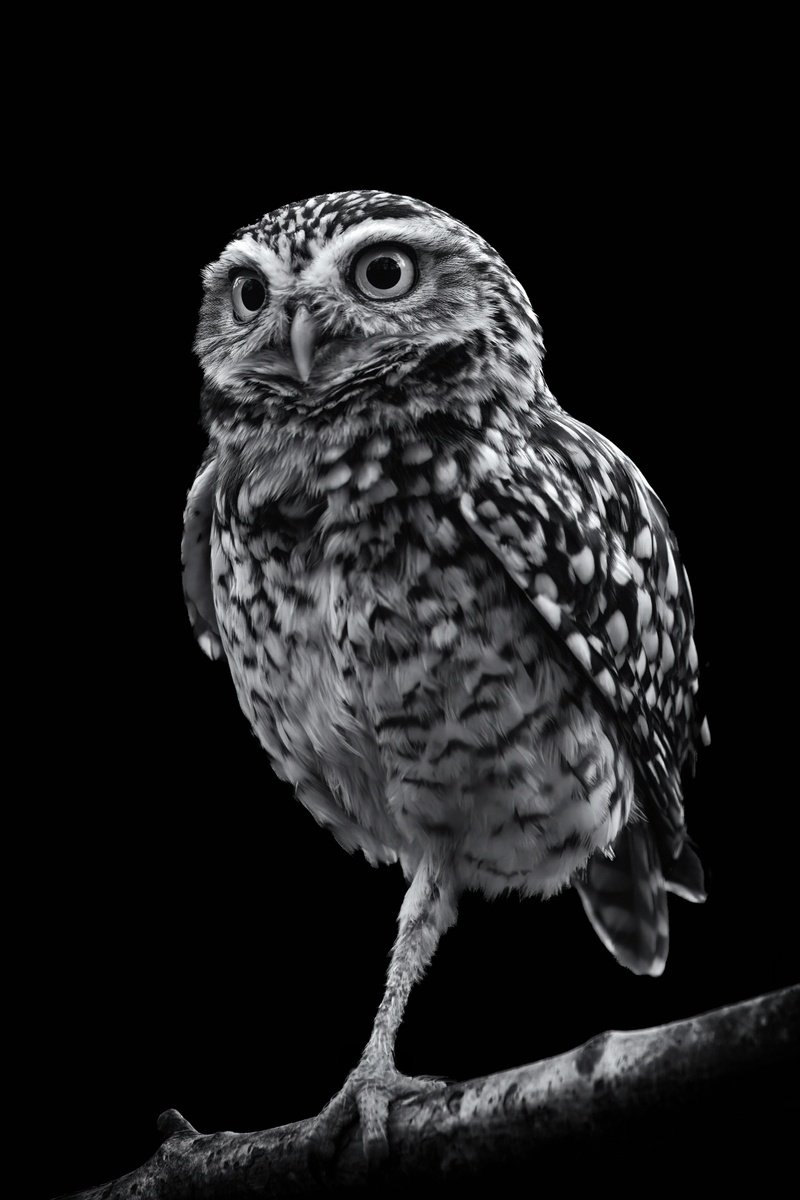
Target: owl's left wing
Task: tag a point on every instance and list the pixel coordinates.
(578, 528)
(196, 558)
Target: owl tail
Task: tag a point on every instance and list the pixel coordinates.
(684, 876)
(625, 898)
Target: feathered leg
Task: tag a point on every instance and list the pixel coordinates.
(428, 910)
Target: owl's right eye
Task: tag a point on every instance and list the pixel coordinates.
(248, 295)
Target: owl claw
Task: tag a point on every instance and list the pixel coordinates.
(367, 1096)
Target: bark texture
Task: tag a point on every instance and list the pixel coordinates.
(714, 1080)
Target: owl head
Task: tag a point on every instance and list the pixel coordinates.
(364, 309)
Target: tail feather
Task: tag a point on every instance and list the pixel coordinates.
(625, 899)
(684, 876)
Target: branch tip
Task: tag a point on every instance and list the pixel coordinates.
(171, 1123)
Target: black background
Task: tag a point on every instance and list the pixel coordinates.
(206, 946)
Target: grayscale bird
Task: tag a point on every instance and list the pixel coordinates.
(455, 617)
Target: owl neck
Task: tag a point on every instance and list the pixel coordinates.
(357, 472)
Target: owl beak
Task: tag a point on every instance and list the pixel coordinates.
(303, 338)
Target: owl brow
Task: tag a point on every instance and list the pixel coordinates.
(418, 245)
(232, 262)
(243, 268)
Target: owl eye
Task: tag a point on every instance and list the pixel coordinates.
(384, 272)
(248, 295)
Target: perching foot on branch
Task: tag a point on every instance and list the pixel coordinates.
(367, 1096)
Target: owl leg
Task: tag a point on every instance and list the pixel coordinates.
(428, 910)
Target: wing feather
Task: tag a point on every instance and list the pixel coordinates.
(196, 559)
(581, 532)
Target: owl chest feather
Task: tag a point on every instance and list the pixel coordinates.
(391, 659)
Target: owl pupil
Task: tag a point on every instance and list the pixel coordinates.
(252, 294)
(384, 272)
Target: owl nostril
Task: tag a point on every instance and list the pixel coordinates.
(293, 306)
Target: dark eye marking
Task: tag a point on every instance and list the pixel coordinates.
(248, 292)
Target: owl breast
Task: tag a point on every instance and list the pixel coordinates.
(401, 683)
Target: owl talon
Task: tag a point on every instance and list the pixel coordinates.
(367, 1096)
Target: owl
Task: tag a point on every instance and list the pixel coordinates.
(455, 617)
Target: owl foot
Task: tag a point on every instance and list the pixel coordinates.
(367, 1096)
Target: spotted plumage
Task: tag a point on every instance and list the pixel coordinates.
(455, 617)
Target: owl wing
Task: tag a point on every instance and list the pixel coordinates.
(196, 558)
(580, 531)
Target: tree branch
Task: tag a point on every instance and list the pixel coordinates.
(619, 1087)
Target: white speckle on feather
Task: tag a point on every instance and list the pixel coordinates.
(579, 457)
(377, 447)
(617, 628)
(444, 634)
(643, 546)
(487, 461)
(580, 648)
(667, 652)
(672, 574)
(651, 643)
(544, 585)
(620, 571)
(605, 682)
(583, 564)
(489, 510)
(417, 452)
(644, 613)
(445, 473)
(384, 489)
(332, 453)
(367, 474)
(335, 478)
(550, 611)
